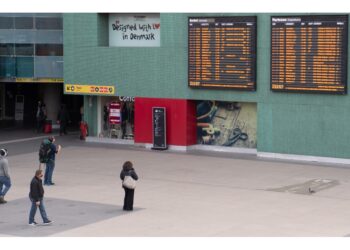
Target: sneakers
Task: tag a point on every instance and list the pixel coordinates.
(2, 201)
(33, 223)
(49, 222)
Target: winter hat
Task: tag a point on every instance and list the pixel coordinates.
(3, 152)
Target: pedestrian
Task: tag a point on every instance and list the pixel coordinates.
(128, 172)
(124, 119)
(40, 117)
(36, 196)
(50, 164)
(5, 180)
(63, 119)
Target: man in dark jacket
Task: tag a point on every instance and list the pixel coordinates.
(50, 165)
(36, 196)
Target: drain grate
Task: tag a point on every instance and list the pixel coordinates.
(308, 188)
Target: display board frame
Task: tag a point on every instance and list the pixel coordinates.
(344, 51)
(254, 49)
(159, 141)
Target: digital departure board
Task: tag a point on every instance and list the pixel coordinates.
(309, 53)
(222, 52)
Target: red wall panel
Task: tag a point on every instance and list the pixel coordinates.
(180, 119)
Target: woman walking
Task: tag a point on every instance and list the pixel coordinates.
(128, 172)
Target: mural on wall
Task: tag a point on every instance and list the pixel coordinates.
(134, 30)
(228, 124)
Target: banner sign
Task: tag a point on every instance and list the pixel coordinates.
(32, 80)
(89, 89)
(114, 113)
(134, 30)
(159, 128)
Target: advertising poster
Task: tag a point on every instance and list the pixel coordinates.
(227, 124)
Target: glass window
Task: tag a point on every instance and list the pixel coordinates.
(24, 36)
(24, 23)
(49, 67)
(24, 49)
(7, 36)
(49, 49)
(6, 22)
(49, 36)
(6, 49)
(7, 66)
(25, 66)
(42, 23)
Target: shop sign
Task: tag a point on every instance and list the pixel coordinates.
(134, 30)
(127, 98)
(32, 80)
(114, 113)
(90, 89)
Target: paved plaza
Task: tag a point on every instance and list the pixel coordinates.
(178, 194)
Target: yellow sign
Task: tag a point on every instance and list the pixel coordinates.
(89, 89)
(47, 80)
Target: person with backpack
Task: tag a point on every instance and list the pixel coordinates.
(129, 178)
(47, 153)
(5, 180)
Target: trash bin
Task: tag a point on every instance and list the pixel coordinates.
(48, 127)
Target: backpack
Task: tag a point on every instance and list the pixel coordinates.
(44, 151)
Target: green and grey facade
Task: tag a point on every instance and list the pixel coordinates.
(287, 124)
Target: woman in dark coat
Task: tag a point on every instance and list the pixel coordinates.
(128, 170)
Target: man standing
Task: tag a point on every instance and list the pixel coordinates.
(36, 196)
(5, 180)
(50, 165)
(63, 119)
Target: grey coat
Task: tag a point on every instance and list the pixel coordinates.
(4, 167)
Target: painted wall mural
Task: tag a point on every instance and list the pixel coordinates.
(228, 124)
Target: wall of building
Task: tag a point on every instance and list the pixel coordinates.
(307, 124)
(180, 120)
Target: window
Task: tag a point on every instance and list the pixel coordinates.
(6, 22)
(49, 49)
(24, 49)
(6, 49)
(25, 66)
(7, 66)
(43, 23)
(23, 23)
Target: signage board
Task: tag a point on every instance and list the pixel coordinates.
(159, 128)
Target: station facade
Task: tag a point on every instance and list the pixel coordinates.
(140, 61)
(31, 68)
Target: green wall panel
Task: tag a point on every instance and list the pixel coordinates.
(290, 123)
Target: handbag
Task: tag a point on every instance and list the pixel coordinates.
(129, 182)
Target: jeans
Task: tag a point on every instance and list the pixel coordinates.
(33, 211)
(50, 166)
(5, 184)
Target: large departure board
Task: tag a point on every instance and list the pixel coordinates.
(222, 52)
(309, 53)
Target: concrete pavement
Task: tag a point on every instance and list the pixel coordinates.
(178, 194)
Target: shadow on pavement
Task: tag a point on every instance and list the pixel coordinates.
(66, 214)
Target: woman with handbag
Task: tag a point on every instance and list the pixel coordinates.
(129, 178)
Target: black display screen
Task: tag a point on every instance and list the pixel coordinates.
(159, 128)
(309, 53)
(222, 52)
